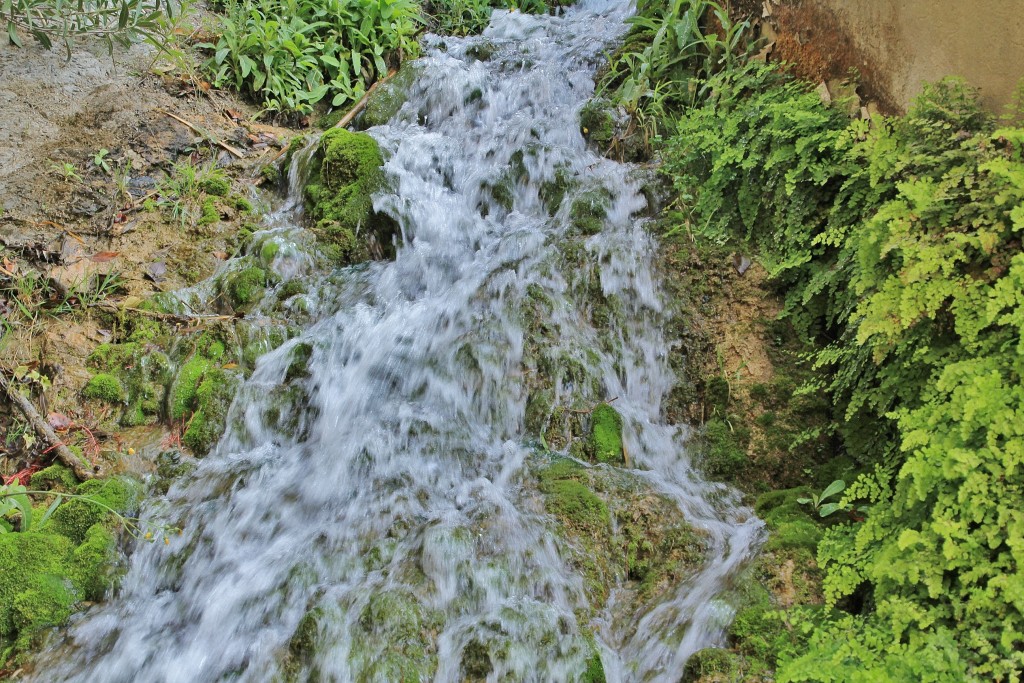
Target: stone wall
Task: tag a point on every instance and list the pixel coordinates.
(912, 42)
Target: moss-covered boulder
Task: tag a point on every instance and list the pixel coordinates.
(346, 171)
(606, 435)
(104, 387)
(46, 572)
(387, 99)
(618, 531)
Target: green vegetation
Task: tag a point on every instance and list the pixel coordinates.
(896, 244)
(115, 22)
(606, 434)
(64, 557)
(104, 387)
(346, 172)
(291, 54)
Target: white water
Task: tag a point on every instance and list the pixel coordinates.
(399, 484)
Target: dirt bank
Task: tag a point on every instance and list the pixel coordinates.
(112, 187)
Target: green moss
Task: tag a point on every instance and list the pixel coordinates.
(46, 601)
(394, 640)
(594, 673)
(597, 122)
(182, 401)
(92, 562)
(553, 192)
(104, 387)
(56, 477)
(210, 214)
(24, 559)
(711, 663)
(290, 288)
(268, 251)
(244, 205)
(347, 171)
(216, 185)
(606, 434)
(723, 449)
(588, 212)
(271, 174)
(75, 516)
(298, 366)
(387, 99)
(245, 287)
(213, 398)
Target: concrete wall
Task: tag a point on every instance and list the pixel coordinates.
(916, 41)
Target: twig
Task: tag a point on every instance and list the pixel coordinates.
(204, 134)
(592, 408)
(45, 432)
(361, 104)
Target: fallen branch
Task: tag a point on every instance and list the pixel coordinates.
(205, 135)
(591, 409)
(361, 104)
(82, 469)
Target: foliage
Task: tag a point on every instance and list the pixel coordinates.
(291, 54)
(670, 51)
(897, 242)
(116, 22)
(818, 501)
(470, 17)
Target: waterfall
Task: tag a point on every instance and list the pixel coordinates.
(371, 513)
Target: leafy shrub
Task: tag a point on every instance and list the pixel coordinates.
(291, 54)
(898, 245)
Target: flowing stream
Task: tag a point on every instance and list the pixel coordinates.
(374, 517)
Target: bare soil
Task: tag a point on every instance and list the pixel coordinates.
(66, 221)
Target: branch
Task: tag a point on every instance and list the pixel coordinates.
(83, 470)
(203, 134)
(361, 104)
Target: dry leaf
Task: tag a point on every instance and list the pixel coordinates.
(104, 256)
(59, 421)
(222, 255)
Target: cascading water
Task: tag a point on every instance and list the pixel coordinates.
(370, 515)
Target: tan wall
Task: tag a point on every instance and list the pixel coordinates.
(917, 41)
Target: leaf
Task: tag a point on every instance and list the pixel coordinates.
(12, 34)
(833, 488)
(59, 422)
(828, 508)
(104, 256)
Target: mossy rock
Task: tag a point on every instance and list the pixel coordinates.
(104, 387)
(710, 664)
(606, 435)
(346, 171)
(55, 477)
(210, 214)
(395, 640)
(74, 517)
(218, 186)
(212, 399)
(245, 287)
(387, 99)
(44, 575)
(182, 402)
(619, 530)
(589, 211)
(598, 123)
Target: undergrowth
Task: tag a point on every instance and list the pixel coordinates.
(896, 243)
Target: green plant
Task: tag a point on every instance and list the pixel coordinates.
(100, 161)
(67, 171)
(15, 498)
(817, 501)
(291, 54)
(116, 22)
(669, 52)
(897, 246)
